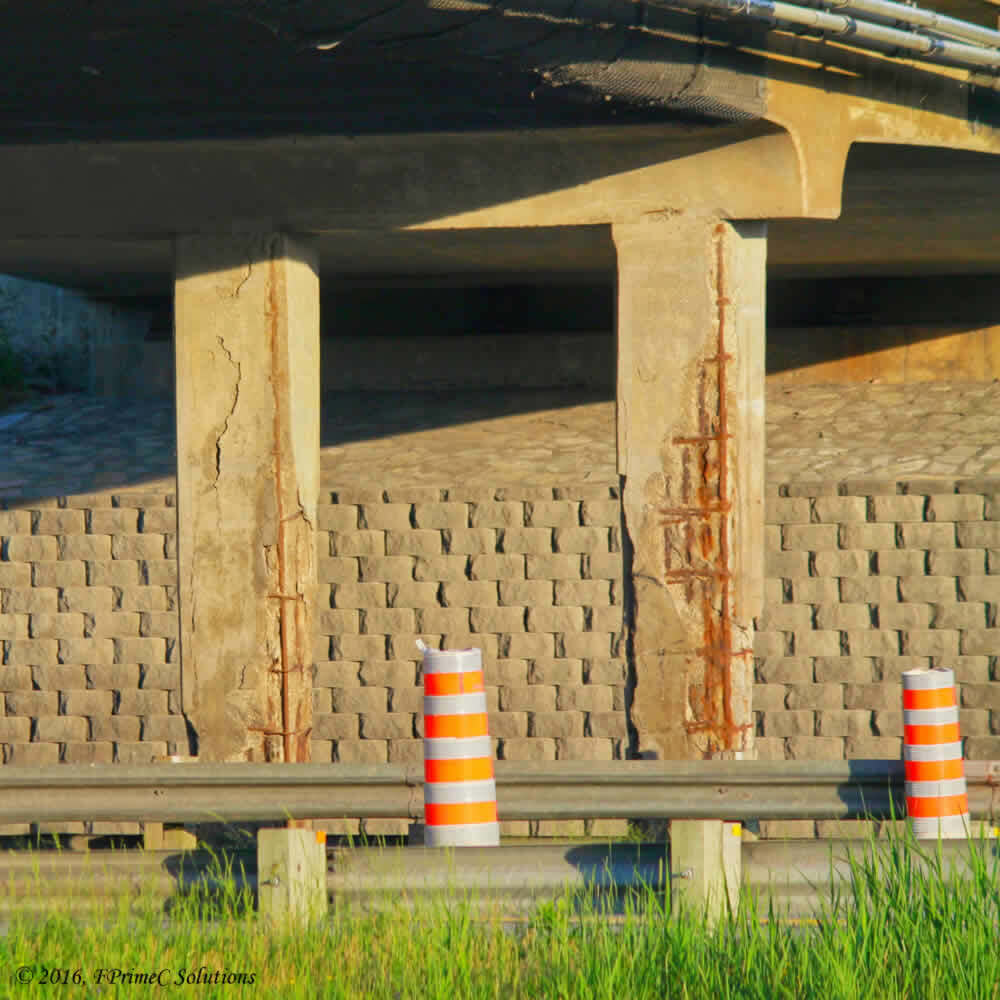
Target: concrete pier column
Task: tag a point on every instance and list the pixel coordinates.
(247, 361)
(691, 459)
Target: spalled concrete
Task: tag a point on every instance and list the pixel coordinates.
(247, 347)
(691, 455)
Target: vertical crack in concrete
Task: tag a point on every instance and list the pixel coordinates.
(245, 279)
(232, 410)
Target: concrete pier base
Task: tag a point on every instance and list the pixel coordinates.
(247, 368)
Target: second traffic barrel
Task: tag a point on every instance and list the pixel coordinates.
(460, 799)
(936, 796)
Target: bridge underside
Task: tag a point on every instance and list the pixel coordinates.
(281, 147)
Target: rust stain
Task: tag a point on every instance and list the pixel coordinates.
(292, 612)
(705, 527)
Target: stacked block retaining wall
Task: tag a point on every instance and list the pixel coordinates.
(864, 580)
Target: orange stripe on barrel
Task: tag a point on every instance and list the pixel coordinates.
(931, 698)
(470, 682)
(455, 726)
(942, 805)
(928, 735)
(933, 770)
(474, 769)
(452, 814)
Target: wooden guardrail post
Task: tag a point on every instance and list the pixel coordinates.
(705, 864)
(291, 874)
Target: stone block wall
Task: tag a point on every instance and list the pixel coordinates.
(864, 580)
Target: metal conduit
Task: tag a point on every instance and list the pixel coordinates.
(856, 32)
(919, 17)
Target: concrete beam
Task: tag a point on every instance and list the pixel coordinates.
(247, 368)
(691, 457)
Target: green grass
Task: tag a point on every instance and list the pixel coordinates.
(911, 930)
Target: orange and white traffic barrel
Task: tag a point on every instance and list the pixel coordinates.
(460, 797)
(936, 796)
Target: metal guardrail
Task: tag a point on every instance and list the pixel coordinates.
(792, 878)
(735, 790)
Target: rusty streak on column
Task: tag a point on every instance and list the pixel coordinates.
(246, 321)
(691, 458)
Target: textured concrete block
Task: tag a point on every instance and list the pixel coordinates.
(570, 540)
(122, 547)
(337, 673)
(32, 754)
(360, 700)
(968, 669)
(957, 562)
(603, 619)
(415, 542)
(168, 728)
(853, 723)
(873, 642)
(16, 575)
(441, 515)
(508, 725)
(982, 748)
(88, 753)
(605, 671)
(552, 514)
(786, 617)
(337, 517)
(15, 522)
(770, 644)
(888, 723)
(59, 677)
(359, 595)
(440, 620)
(413, 595)
(873, 748)
(585, 645)
(443, 568)
(600, 513)
(557, 725)
(979, 588)
(970, 615)
(592, 593)
(526, 593)
(530, 645)
(814, 748)
(383, 621)
(873, 697)
(142, 598)
(403, 645)
(787, 510)
(903, 616)
(408, 699)
(339, 726)
(769, 697)
(817, 643)
(115, 728)
(555, 619)
(809, 537)
(899, 508)
(337, 569)
(868, 536)
(900, 562)
(811, 590)
(575, 748)
(526, 541)
(785, 670)
(974, 722)
(788, 723)
(28, 652)
(770, 748)
(978, 534)
(470, 541)
(384, 516)
(351, 751)
(141, 702)
(584, 698)
(928, 589)
(141, 650)
(847, 562)
(338, 621)
(469, 594)
(814, 696)
(504, 514)
(843, 616)
(406, 751)
(358, 647)
(56, 626)
(497, 619)
(597, 566)
(930, 642)
(496, 567)
(955, 507)
(385, 569)
(86, 703)
(531, 748)
(840, 510)
(32, 601)
(978, 642)
(869, 590)
(928, 536)
(387, 726)
(112, 573)
(508, 672)
(31, 548)
(358, 543)
(58, 522)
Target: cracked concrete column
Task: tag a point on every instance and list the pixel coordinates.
(691, 459)
(246, 315)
